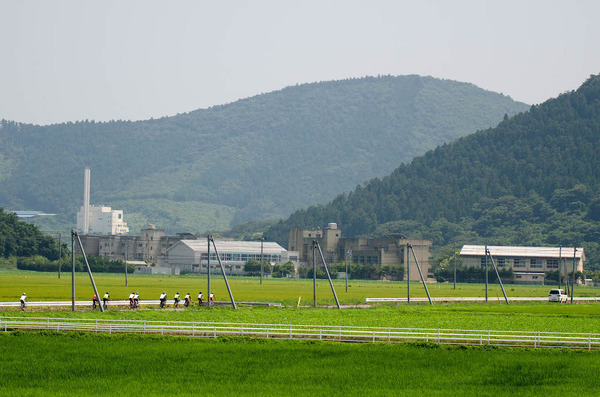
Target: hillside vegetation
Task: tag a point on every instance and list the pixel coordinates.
(532, 180)
(258, 158)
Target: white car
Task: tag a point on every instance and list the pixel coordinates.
(557, 295)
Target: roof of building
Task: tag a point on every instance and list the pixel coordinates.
(536, 252)
(223, 246)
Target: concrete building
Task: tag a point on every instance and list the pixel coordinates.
(101, 220)
(150, 246)
(391, 250)
(191, 256)
(529, 264)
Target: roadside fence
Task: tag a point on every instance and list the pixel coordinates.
(590, 341)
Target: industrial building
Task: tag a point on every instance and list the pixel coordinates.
(390, 250)
(150, 246)
(191, 256)
(101, 220)
(98, 219)
(529, 264)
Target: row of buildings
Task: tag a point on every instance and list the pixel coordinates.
(104, 233)
(156, 252)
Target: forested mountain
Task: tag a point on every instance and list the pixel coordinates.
(258, 158)
(532, 180)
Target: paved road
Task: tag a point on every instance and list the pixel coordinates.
(476, 299)
(143, 303)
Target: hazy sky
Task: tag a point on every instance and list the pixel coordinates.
(103, 60)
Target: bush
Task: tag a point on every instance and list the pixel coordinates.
(356, 271)
(97, 264)
(473, 274)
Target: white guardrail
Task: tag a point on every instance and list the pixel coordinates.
(315, 332)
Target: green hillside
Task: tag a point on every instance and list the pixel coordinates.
(532, 180)
(258, 158)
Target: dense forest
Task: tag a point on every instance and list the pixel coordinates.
(254, 159)
(18, 238)
(24, 246)
(532, 180)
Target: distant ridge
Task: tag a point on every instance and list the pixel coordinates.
(532, 180)
(258, 158)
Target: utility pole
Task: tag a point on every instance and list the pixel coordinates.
(314, 243)
(224, 275)
(486, 274)
(454, 265)
(573, 278)
(59, 255)
(73, 272)
(559, 265)
(346, 271)
(408, 271)
(208, 238)
(262, 239)
(420, 273)
(126, 247)
(337, 302)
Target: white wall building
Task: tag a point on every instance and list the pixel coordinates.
(102, 220)
(191, 256)
(529, 264)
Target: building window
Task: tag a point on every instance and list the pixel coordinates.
(483, 261)
(519, 263)
(518, 276)
(552, 263)
(534, 277)
(501, 262)
(535, 263)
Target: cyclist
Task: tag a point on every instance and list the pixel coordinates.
(186, 300)
(23, 299)
(105, 299)
(136, 299)
(95, 301)
(176, 299)
(212, 298)
(131, 301)
(200, 297)
(163, 299)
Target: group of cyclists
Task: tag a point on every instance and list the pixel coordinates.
(105, 300)
(186, 299)
(134, 300)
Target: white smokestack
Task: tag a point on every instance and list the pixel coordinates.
(86, 201)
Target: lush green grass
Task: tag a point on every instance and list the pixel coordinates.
(519, 317)
(82, 364)
(541, 316)
(47, 286)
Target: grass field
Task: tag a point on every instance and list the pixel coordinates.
(48, 363)
(82, 364)
(47, 286)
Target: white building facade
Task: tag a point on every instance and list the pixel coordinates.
(529, 264)
(101, 220)
(191, 256)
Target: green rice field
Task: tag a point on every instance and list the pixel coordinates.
(48, 363)
(531, 316)
(47, 286)
(64, 364)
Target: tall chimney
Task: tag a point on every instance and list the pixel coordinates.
(86, 201)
